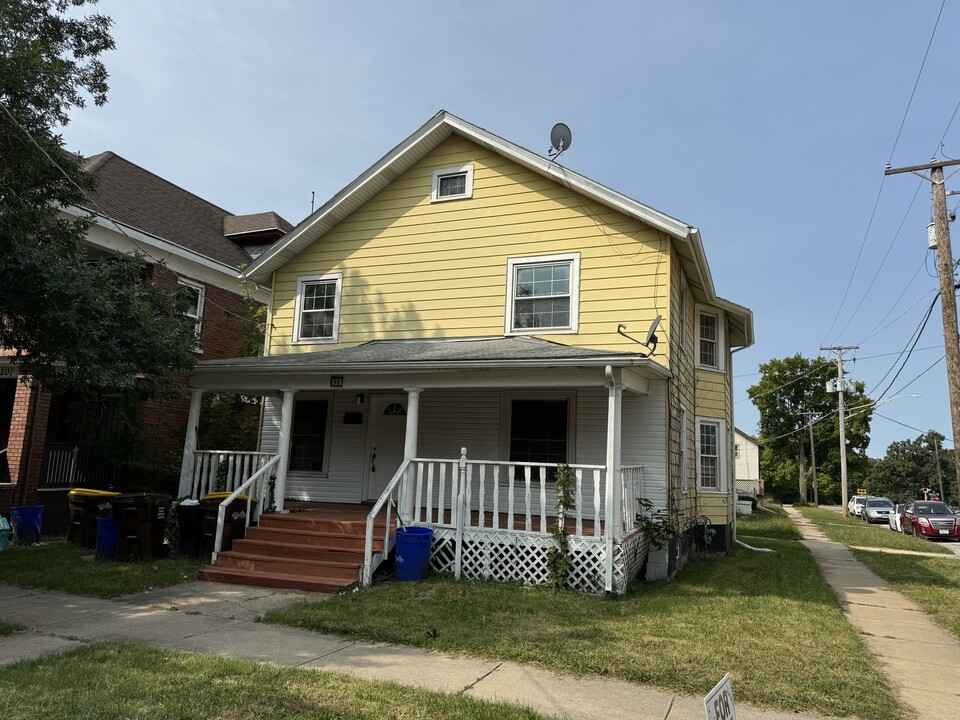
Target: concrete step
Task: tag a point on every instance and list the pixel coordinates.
(272, 580)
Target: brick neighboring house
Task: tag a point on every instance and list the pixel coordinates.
(202, 247)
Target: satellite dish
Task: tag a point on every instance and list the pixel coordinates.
(651, 337)
(560, 139)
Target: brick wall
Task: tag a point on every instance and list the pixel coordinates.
(28, 432)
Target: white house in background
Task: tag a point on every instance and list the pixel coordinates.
(746, 455)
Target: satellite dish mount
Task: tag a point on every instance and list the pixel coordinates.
(560, 139)
(651, 339)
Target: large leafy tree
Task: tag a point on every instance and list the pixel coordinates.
(788, 390)
(911, 465)
(96, 326)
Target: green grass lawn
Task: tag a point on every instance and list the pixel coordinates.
(772, 522)
(768, 619)
(130, 681)
(62, 566)
(852, 531)
(8, 629)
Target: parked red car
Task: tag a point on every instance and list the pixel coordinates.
(930, 519)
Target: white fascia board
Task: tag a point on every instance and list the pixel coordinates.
(744, 314)
(111, 235)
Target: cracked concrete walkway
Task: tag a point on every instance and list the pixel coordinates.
(214, 619)
(921, 659)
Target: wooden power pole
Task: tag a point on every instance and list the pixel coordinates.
(948, 297)
(841, 400)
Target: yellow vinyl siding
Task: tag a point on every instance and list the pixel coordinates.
(718, 507)
(412, 268)
(711, 394)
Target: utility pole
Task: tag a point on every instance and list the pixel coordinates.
(948, 297)
(936, 455)
(841, 387)
(813, 459)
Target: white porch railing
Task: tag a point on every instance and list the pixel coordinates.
(256, 487)
(633, 491)
(224, 470)
(388, 500)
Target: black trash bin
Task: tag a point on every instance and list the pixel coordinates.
(141, 519)
(235, 520)
(190, 529)
(86, 505)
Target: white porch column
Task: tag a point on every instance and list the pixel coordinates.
(190, 444)
(283, 449)
(613, 519)
(410, 449)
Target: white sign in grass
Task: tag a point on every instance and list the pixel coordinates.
(719, 701)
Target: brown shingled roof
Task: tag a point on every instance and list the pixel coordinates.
(136, 197)
(256, 223)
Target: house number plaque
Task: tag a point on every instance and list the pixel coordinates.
(336, 381)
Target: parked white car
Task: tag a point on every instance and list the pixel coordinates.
(894, 520)
(855, 506)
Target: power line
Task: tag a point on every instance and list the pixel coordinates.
(788, 383)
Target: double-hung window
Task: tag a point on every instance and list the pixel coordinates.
(710, 473)
(318, 308)
(542, 294)
(193, 298)
(709, 340)
(454, 183)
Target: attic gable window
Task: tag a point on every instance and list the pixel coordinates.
(455, 183)
(318, 308)
(543, 294)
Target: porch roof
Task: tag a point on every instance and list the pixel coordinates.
(424, 355)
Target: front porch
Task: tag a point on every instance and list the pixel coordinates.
(376, 424)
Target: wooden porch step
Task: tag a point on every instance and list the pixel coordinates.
(314, 538)
(269, 548)
(320, 523)
(343, 573)
(272, 580)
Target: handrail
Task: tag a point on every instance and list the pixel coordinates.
(371, 519)
(222, 510)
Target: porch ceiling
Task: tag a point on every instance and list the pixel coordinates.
(460, 363)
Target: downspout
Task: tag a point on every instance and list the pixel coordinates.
(735, 539)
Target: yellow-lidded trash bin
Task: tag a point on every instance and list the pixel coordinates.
(86, 504)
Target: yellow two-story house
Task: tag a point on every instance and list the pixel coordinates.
(452, 327)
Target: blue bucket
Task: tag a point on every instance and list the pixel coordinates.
(106, 537)
(413, 553)
(26, 521)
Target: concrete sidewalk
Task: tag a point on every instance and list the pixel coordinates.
(220, 620)
(921, 659)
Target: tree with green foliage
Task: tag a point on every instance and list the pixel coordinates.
(98, 326)
(911, 465)
(789, 388)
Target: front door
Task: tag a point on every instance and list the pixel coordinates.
(388, 427)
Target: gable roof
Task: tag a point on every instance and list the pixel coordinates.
(135, 197)
(440, 127)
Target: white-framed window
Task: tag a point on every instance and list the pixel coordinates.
(711, 475)
(193, 295)
(310, 434)
(539, 428)
(736, 451)
(453, 183)
(317, 317)
(709, 340)
(543, 294)
(684, 470)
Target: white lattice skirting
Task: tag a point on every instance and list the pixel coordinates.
(518, 556)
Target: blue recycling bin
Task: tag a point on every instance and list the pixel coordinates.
(26, 521)
(106, 537)
(413, 553)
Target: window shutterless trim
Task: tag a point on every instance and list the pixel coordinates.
(720, 456)
(514, 264)
(198, 318)
(465, 170)
(302, 282)
(718, 342)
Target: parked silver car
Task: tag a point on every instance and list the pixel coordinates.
(876, 510)
(895, 519)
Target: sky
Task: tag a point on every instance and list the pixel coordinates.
(766, 125)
